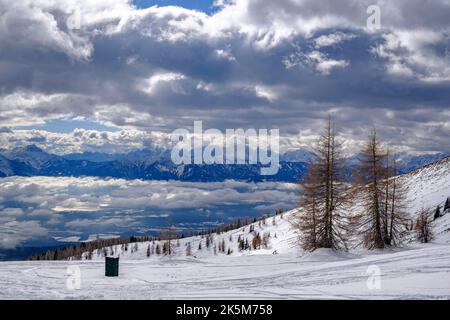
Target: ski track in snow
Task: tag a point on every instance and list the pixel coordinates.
(421, 272)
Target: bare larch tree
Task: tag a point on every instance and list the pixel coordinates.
(321, 222)
(371, 174)
(395, 216)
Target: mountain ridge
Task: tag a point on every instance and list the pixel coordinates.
(149, 164)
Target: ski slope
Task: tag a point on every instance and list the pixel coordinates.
(422, 272)
(278, 271)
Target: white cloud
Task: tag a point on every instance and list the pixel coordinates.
(82, 140)
(323, 64)
(410, 53)
(225, 54)
(332, 39)
(22, 108)
(265, 92)
(90, 194)
(320, 61)
(160, 79)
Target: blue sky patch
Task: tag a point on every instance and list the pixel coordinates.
(67, 126)
(206, 6)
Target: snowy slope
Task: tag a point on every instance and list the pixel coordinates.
(426, 188)
(282, 240)
(422, 272)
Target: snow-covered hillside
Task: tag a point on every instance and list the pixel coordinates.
(426, 188)
(278, 271)
(278, 230)
(422, 272)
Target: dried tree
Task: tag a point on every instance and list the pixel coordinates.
(323, 195)
(384, 221)
(423, 227)
(395, 214)
(371, 174)
(308, 220)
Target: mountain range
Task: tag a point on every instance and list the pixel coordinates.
(142, 164)
(155, 164)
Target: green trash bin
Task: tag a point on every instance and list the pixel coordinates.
(112, 267)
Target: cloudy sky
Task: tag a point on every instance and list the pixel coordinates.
(115, 74)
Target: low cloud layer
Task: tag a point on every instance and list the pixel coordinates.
(32, 208)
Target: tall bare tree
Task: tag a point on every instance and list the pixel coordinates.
(396, 218)
(309, 220)
(385, 208)
(372, 174)
(321, 222)
(385, 219)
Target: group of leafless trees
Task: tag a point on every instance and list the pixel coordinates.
(327, 197)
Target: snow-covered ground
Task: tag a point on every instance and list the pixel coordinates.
(422, 272)
(280, 271)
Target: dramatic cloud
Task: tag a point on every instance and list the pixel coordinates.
(66, 207)
(281, 64)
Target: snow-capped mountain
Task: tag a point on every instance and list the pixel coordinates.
(155, 164)
(407, 162)
(298, 155)
(141, 164)
(5, 167)
(30, 155)
(15, 167)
